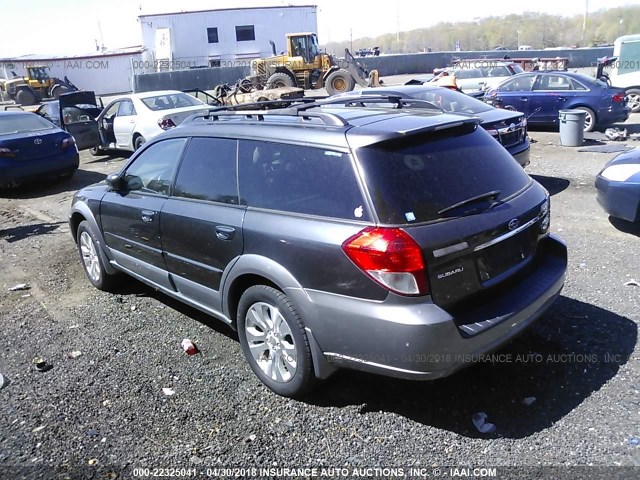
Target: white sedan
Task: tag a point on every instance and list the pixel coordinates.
(131, 120)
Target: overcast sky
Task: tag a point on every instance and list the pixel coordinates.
(71, 26)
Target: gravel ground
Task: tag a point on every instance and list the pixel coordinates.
(103, 409)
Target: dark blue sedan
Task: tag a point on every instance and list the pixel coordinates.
(618, 186)
(33, 148)
(542, 94)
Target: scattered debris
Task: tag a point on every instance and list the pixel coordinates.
(38, 429)
(189, 347)
(635, 441)
(632, 283)
(41, 365)
(92, 433)
(20, 286)
(616, 134)
(605, 148)
(75, 354)
(168, 391)
(250, 438)
(528, 401)
(93, 461)
(480, 421)
(133, 308)
(3, 382)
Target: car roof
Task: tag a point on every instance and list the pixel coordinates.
(362, 125)
(14, 113)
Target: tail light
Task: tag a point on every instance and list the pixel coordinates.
(618, 97)
(6, 152)
(545, 216)
(67, 142)
(166, 123)
(391, 258)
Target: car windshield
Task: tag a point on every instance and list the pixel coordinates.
(169, 101)
(451, 101)
(416, 179)
(28, 122)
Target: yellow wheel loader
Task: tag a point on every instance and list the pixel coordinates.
(305, 66)
(37, 85)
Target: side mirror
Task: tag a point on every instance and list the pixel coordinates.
(115, 181)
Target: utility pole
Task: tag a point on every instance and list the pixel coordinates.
(584, 22)
(398, 25)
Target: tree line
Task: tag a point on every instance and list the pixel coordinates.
(538, 30)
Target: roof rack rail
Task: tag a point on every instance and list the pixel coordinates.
(329, 119)
(400, 102)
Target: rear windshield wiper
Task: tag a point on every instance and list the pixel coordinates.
(483, 196)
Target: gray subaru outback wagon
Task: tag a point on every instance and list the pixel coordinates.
(401, 242)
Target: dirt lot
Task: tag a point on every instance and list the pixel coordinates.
(102, 409)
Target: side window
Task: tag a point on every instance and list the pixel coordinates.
(208, 171)
(498, 71)
(126, 109)
(111, 111)
(518, 84)
(575, 85)
(152, 171)
(299, 179)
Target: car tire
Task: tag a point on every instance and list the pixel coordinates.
(633, 99)
(278, 80)
(590, 119)
(339, 81)
(91, 259)
(274, 341)
(138, 143)
(25, 97)
(96, 151)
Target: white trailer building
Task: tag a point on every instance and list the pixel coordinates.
(105, 72)
(219, 38)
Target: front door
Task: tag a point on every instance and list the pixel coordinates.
(202, 220)
(131, 217)
(124, 124)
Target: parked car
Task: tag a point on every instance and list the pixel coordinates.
(474, 75)
(131, 120)
(507, 127)
(618, 186)
(542, 94)
(75, 112)
(31, 148)
(402, 243)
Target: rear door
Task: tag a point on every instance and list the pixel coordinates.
(202, 220)
(549, 94)
(131, 217)
(77, 121)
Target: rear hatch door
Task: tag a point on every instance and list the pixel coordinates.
(464, 199)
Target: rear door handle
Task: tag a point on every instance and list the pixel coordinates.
(524, 99)
(147, 216)
(225, 233)
(562, 99)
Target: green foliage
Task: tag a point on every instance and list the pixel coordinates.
(530, 28)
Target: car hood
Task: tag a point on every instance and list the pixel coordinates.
(630, 157)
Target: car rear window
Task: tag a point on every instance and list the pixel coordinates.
(28, 122)
(170, 101)
(411, 180)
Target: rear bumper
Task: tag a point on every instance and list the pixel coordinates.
(17, 171)
(608, 116)
(619, 199)
(407, 338)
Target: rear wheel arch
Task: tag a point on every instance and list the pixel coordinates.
(238, 286)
